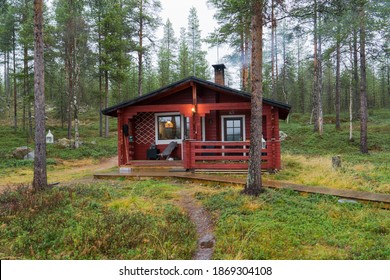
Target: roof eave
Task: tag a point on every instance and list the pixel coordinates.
(113, 110)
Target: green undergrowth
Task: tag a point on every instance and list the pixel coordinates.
(281, 224)
(303, 151)
(302, 140)
(92, 147)
(140, 220)
(99, 221)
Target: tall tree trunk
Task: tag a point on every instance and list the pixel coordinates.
(320, 83)
(329, 88)
(363, 83)
(7, 85)
(337, 103)
(100, 78)
(244, 46)
(301, 84)
(25, 85)
(68, 72)
(14, 79)
(246, 61)
(254, 183)
(140, 51)
(243, 68)
(351, 98)
(285, 63)
(106, 102)
(317, 98)
(273, 32)
(76, 75)
(316, 71)
(69, 65)
(5, 74)
(40, 175)
(355, 74)
(62, 103)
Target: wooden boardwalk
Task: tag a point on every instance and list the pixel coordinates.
(382, 199)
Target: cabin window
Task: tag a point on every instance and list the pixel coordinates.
(233, 128)
(168, 128)
(186, 127)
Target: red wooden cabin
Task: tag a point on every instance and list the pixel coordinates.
(209, 121)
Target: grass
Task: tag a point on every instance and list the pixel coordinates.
(141, 220)
(93, 149)
(306, 156)
(281, 224)
(100, 221)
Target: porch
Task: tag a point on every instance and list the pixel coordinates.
(214, 155)
(227, 155)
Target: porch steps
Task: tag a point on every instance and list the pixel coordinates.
(226, 171)
(151, 166)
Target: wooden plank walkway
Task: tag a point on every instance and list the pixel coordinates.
(382, 199)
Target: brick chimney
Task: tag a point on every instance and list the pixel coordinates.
(219, 74)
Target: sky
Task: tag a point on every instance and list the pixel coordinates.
(178, 10)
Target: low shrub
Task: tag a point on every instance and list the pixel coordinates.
(77, 223)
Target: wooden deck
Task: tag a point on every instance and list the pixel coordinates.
(382, 199)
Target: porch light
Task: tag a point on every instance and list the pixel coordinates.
(168, 124)
(193, 109)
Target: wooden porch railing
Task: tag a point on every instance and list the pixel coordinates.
(222, 155)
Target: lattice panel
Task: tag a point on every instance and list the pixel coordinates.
(145, 128)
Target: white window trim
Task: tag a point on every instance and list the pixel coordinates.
(162, 142)
(203, 129)
(223, 126)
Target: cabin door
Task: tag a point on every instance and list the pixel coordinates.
(233, 129)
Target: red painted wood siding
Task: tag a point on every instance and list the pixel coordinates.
(144, 123)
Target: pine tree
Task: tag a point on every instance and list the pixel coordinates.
(254, 181)
(167, 56)
(235, 19)
(40, 174)
(144, 14)
(184, 55)
(198, 62)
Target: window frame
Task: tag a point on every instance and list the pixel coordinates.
(167, 141)
(223, 127)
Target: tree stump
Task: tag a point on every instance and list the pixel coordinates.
(336, 162)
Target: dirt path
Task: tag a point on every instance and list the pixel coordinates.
(203, 222)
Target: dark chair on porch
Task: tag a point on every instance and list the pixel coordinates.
(168, 151)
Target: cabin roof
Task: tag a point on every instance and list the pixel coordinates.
(112, 111)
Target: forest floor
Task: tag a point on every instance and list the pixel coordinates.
(81, 172)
